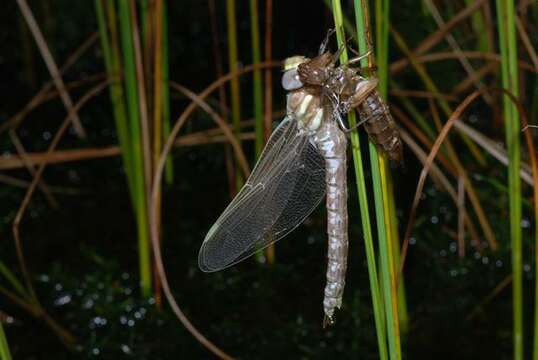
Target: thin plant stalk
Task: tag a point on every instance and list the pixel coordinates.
(112, 65)
(234, 83)
(257, 76)
(389, 209)
(361, 187)
(403, 313)
(534, 165)
(157, 117)
(124, 125)
(382, 193)
(268, 76)
(165, 92)
(535, 344)
(509, 75)
(5, 354)
(131, 87)
(257, 95)
(51, 66)
(157, 77)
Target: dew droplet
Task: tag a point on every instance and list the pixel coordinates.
(62, 300)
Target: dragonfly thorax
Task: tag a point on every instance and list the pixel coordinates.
(306, 108)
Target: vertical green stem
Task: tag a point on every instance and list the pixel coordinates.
(508, 47)
(130, 81)
(257, 97)
(234, 83)
(534, 114)
(382, 194)
(5, 354)
(361, 185)
(112, 65)
(257, 74)
(395, 239)
(535, 345)
(391, 222)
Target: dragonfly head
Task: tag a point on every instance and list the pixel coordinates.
(290, 79)
(316, 71)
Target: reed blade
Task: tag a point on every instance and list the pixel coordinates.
(509, 76)
(234, 83)
(132, 102)
(5, 353)
(360, 181)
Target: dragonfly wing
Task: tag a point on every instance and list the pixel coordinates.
(286, 185)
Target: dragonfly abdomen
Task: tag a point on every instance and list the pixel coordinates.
(332, 143)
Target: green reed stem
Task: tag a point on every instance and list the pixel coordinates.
(5, 354)
(534, 114)
(535, 345)
(112, 66)
(382, 192)
(257, 76)
(509, 74)
(386, 254)
(165, 93)
(130, 81)
(391, 223)
(361, 189)
(234, 83)
(403, 313)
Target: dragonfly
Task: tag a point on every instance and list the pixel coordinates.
(304, 161)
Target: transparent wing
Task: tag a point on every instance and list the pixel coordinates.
(286, 185)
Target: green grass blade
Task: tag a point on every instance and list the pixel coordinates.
(509, 73)
(234, 83)
(362, 195)
(257, 76)
(382, 192)
(5, 354)
(403, 313)
(112, 66)
(391, 223)
(130, 81)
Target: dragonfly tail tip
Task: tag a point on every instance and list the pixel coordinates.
(327, 321)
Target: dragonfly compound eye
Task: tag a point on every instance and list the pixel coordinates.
(291, 81)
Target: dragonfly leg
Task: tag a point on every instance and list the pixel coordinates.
(345, 129)
(358, 56)
(337, 54)
(325, 42)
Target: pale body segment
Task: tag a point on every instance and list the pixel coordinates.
(332, 144)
